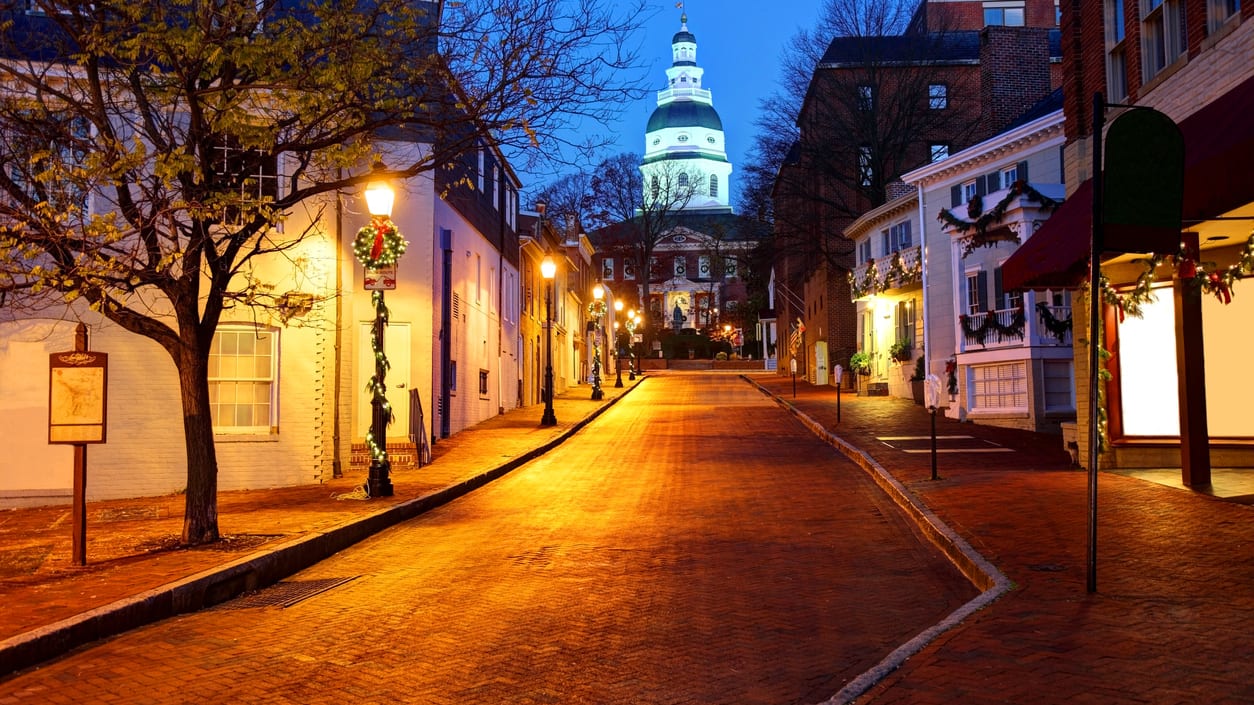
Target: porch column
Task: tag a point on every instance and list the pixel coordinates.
(1191, 372)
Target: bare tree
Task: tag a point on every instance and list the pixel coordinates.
(567, 200)
(854, 112)
(635, 216)
(173, 118)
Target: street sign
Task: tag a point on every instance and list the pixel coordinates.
(380, 279)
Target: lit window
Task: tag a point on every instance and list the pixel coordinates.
(629, 269)
(242, 364)
(1162, 35)
(607, 268)
(937, 96)
(703, 266)
(681, 267)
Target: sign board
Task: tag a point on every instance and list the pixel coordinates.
(77, 397)
(1143, 186)
(381, 279)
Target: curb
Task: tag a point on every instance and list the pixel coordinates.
(982, 574)
(259, 570)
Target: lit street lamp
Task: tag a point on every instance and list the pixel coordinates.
(598, 310)
(378, 246)
(548, 269)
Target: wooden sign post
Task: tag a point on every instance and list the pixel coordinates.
(77, 406)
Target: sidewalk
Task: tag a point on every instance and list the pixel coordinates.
(1168, 623)
(137, 574)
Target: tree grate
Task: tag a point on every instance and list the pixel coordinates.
(284, 595)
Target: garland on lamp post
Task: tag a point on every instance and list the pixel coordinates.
(376, 386)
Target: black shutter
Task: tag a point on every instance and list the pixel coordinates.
(997, 291)
(1022, 171)
(955, 196)
(981, 287)
(994, 181)
(979, 186)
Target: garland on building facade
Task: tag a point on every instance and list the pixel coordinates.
(981, 220)
(897, 276)
(978, 333)
(1057, 327)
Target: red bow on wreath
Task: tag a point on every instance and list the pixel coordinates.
(377, 248)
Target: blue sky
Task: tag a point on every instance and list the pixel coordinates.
(739, 43)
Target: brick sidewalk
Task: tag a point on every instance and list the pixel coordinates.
(132, 545)
(1169, 622)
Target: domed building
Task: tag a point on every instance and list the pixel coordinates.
(684, 136)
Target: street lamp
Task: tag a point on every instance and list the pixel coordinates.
(378, 246)
(598, 310)
(633, 320)
(548, 269)
(618, 349)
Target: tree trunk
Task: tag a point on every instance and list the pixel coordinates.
(200, 517)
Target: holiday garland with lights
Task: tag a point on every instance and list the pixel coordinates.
(898, 272)
(981, 220)
(379, 244)
(376, 386)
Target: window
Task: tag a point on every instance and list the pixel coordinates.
(999, 386)
(252, 174)
(242, 364)
(629, 269)
(681, 267)
(655, 269)
(479, 171)
(977, 285)
(899, 236)
(1009, 14)
(607, 268)
(939, 152)
(866, 97)
(452, 376)
(1059, 389)
(653, 187)
(483, 384)
(864, 251)
(1162, 35)
(682, 180)
(905, 321)
(866, 170)
(1220, 11)
(713, 185)
(937, 96)
(730, 269)
(478, 278)
(682, 138)
(703, 266)
(969, 191)
(886, 242)
(1009, 176)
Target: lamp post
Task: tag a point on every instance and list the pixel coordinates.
(377, 247)
(618, 349)
(633, 320)
(598, 310)
(548, 269)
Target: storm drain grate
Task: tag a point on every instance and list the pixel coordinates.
(284, 594)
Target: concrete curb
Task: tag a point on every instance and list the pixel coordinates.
(253, 572)
(982, 574)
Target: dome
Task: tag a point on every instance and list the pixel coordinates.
(686, 113)
(684, 35)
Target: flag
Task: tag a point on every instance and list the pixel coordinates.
(679, 5)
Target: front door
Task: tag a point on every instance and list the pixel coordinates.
(820, 362)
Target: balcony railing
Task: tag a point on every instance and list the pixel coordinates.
(1010, 327)
(893, 271)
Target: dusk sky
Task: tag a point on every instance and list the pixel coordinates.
(738, 44)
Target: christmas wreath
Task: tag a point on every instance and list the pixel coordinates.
(379, 244)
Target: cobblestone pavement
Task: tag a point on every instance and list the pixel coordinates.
(692, 545)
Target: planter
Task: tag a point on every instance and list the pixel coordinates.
(916, 391)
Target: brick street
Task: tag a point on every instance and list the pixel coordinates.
(692, 545)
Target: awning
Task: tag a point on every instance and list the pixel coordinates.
(1218, 177)
(1056, 255)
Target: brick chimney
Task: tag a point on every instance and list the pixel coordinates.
(1014, 74)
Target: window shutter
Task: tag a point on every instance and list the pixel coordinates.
(998, 294)
(1022, 171)
(955, 196)
(979, 187)
(994, 181)
(981, 285)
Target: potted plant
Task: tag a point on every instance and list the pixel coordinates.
(900, 351)
(916, 381)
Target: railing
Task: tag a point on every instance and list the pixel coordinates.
(1053, 325)
(1050, 326)
(892, 271)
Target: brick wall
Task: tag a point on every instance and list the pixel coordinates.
(1014, 74)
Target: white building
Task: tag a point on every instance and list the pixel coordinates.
(1004, 356)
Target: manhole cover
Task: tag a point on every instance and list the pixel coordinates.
(284, 594)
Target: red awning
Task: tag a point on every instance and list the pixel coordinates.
(1218, 177)
(1056, 255)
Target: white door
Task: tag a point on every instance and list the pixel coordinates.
(396, 348)
(820, 362)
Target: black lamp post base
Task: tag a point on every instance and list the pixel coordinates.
(378, 484)
(549, 418)
(598, 395)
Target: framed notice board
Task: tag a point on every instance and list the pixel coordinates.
(77, 397)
